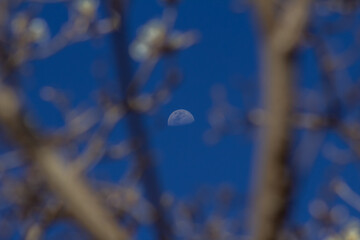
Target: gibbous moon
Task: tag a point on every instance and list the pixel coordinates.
(180, 117)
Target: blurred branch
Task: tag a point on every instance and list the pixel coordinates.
(49, 214)
(130, 89)
(79, 199)
(273, 180)
(35, 232)
(346, 194)
(124, 148)
(330, 65)
(47, 1)
(265, 9)
(96, 145)
(290, 27)
(77, 30)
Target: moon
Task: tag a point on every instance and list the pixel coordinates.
(180, 117)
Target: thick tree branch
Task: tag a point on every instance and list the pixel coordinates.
(273, 180)
(265, 10)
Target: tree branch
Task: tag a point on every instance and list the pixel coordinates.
(144, 160)
(265, 10)
(78, 198)
(273, 180)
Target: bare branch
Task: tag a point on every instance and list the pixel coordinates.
(79, 199)
(273, 181)
(347, 194)
(265, 9)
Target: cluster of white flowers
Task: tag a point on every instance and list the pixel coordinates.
(154, 37)
(35, 29)
(39, 30)
(150, 38)
(86, 8)
(351, 232)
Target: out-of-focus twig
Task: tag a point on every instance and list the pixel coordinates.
(346, 194)
(96, 146)
(68, 185)
(70, 35)
(145, 166)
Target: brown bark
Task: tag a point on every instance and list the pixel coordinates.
(272, 179)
